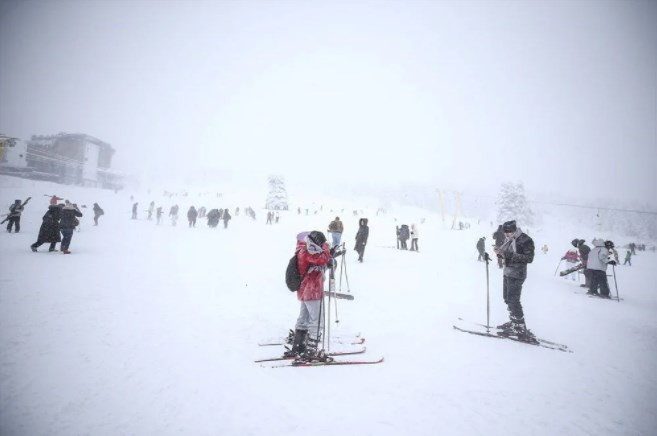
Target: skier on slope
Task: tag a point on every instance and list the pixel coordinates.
(571, 257)
(597, 265)
(14, 215)
(517, 251)
(313, 254)
(481, 248)
(192, 213)
(226, 217)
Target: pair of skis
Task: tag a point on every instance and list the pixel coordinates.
(283, 361)
(482, 330)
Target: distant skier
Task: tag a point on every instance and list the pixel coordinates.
(584, 251)
(544, 249)
(313, 254)
(481, 248)
(49, 230)
(277, 217)
(134, 210)
(158, 214)
(226, 217)
(498, 236)
(571, 257)
(597, 265)
(269, 217)
(173, 213)
(237, 211)
(415, 235)
(517, 251)
(628, 258)
(335, 228)
(404, 235)
(213, 218)
(151, 209)
(191, 216)
(14, 216)
(98, 212)
(67, 224)
(361, 238)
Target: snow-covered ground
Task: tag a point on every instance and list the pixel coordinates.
(152, 330)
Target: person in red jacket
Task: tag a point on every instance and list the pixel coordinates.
(313, 253)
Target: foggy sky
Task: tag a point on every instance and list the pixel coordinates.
(561, 95)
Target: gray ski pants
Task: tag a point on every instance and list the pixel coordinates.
(309, 317)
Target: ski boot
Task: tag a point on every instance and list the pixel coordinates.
(298, 344)
(506, 326)
(312, 355)
(523, 334)
(33, 248)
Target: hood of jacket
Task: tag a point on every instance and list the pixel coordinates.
(598, 242)
(362, 222)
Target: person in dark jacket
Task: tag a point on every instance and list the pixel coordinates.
(361, 238)
(49, 231)
(67, 225)
(97, 213)
(14, 215)
(584, 251)
(226, 217)
(213, 218)
(158, 214)
(498, 236)
(481, 247)
(191, 216)
(134, 210)
(517, 251)
(404, 235)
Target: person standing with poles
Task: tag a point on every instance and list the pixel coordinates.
(312, 253)
(597, 264)
(516, 252)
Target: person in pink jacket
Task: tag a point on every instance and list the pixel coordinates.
(571, 257)
(313, 253)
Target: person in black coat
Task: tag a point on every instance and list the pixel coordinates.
(584, 251)
(49, 231)
(361, 238)
(498, 236)
(67, 224)
(226, 217)
(404, 235)
(517, 251)
(481, 248)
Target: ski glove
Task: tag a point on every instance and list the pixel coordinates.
(613, 262)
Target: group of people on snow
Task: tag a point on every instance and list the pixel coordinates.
(404, 234)
(59, 223)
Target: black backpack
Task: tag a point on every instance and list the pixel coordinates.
(293, 277)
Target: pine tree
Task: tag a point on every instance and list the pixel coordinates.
(277, 197)
(512, 205)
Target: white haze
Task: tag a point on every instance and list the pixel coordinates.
(558, 94)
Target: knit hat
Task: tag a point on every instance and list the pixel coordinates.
(509, 227)
(575, 242)
(317, 237)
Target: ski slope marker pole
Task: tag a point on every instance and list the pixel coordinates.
(487, 259)
(613, 268)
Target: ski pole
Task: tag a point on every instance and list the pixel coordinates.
(558, 265)
(346, 276)
(613, 268)
(487, 259)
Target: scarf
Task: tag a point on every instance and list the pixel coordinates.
(510, 242)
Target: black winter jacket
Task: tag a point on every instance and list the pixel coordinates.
(515, 264)
(363, 232)
(68, 221)
(49, 230)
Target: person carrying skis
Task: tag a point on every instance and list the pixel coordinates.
(49, 230)
(584, 251)
(517, 251)
(335, 228)
(313, 254)
(597, 265)
(571, 257)
(361, 238)
(498, 236)
(14, 216)
(97, 213)
(67, 225)
(191, 216)
(628, 258)
(481, 248)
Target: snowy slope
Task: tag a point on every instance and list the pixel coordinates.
(149, 329)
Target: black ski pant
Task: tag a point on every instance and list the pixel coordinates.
(414, 245)
(192, 222)
(599, 280)
(403, 244)
(14, 220)
(481, 256)
(361, 251)
(39, 242)
(512, 288)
